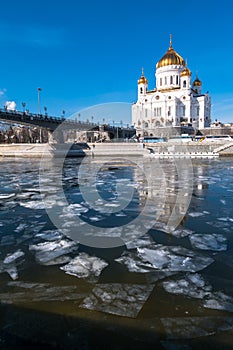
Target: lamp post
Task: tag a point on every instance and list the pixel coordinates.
(39, 109)
(23, 105)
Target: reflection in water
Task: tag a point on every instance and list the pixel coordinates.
(161, 284)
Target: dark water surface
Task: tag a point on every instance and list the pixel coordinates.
(164, 289)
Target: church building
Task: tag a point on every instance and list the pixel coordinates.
(175, 101)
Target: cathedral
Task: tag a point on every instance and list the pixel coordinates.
(175, 101)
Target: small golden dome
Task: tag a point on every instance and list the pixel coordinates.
(171, 57)
(142, 79)
(186, 72)
(197, 82)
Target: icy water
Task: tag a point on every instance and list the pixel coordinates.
(147, 286)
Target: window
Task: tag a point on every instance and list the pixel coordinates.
(183, 111)
(141, 90)
(177, 80)
(157, 112)
(169, 111)
(161, 82)
(184, 83)
(171, 80)
(198, 111)
(165, 80)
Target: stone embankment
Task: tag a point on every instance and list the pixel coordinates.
(163, 149)
(26, 150)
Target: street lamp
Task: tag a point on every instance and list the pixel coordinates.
(23, 105)
(39, 109)
(45, 111)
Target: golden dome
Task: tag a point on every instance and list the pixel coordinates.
(197, 82)
(171, 57)
(142, 79)
(186, 72)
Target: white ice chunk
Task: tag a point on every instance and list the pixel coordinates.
(9, 264)
(219, 301)
(181, 232)
(35, 205)
(192, 285)
(208, 242)
(10, 258)
(47, 251)
(140, 242)
(85, 266)
(164, 258)
(50, 235)
(21, 227)
(7, 196)
(119, 299)
(196, 214)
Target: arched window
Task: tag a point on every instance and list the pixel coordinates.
(177, 80)
(161, 82)
(184, 83)
(165, 80)
(171, 80)
(141, 90)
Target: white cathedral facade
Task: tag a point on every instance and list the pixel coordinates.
(175, 101)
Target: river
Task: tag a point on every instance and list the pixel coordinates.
(116, 254)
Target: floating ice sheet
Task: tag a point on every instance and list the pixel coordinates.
(144, 241)
(181, 232)
(164, 258)
(49, 251)
(119, 299)
(195, 327)
(9, 264)
(23, 292)
(85, 266)
(50, 235)
(208, 242)
(219, 301)
(192, 285)
(196, 214)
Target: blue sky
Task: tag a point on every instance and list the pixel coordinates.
(87, 53)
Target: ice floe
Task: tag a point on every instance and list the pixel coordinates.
(119, 299)
(144, 241)
(181, 232)
(50, 235)
(85, 266)
(10, 263)
(196, 214)
(46, 253)
(212, 241)
(192, 285)
(195, 327)
(219, 301)
(164, 258)
(23, 292)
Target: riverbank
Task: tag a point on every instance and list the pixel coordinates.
(161, 149)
